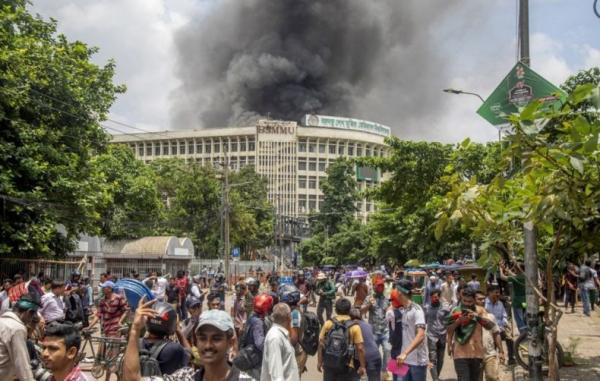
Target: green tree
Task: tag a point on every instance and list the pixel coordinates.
(51, 99)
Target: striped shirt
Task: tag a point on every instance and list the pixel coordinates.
(110, 312)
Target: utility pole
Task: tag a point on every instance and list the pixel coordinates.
(226, 248)
(529, 232)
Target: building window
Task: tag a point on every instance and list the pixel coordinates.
(312, 182)
(312, 202)
(367, 151)
(302, 146)
(321, 147)
(351, 149)
(242, 161)
(207, 146)
(148, 149)
(302, 203)
(217, 146)
(302, 164)
(234, 146)
(332, 148)
(251, 146)
(156, 149)
(341, 149)
(302, 182)
(358, 150)
(312, 164)
(322, 179)
(226, 145)
(321, 201)
(181, 148)
(243, 145)
(173, 148)
(141, 150)
(251, 160)
(312, 147)
(165, 148)
(198, 147)
(322, 165)
(191, 148)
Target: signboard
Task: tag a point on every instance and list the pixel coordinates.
(279, 127)
(235, 254)
(366, 173)
(520, 86)
(312, 120)
(181, 251)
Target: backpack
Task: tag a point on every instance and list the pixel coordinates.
(249, 356)
(338, 350)
(149, 365)
(311, 327)
(73, 308)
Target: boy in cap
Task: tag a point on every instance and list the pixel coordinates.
(214, 337)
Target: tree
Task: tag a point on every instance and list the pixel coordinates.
(51, 99)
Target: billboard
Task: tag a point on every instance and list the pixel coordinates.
(312, 120)
(367, 173)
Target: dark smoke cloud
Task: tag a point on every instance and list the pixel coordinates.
(371, 59)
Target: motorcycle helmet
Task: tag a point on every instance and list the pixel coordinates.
(252, 282)
(220, 277)
(75, 273)
(163, 324)
(289, 294)
(263, 304)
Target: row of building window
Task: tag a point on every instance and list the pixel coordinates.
(339, 148)
(311, 203)
(191, 147)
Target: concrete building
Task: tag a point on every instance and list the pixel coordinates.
(292, 157)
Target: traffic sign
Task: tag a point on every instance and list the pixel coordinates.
(235, 254)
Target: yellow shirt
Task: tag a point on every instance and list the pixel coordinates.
(354, 331)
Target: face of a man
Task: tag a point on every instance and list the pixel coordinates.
(495, 295)
(480, 300)
(450, 278)
(214, 304)
(55, 355)
(59, 291)
(212, 344)
(107, 292)
(468, 302)
(435, 299)
(195, 311)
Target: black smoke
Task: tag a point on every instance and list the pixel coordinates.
(245, 59)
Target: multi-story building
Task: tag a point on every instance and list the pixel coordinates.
(292, 157)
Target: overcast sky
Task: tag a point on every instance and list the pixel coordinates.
(477, 39)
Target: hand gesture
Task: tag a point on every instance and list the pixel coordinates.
(401, 358)
(142, 313)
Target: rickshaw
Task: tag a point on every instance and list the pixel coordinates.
(419, 279)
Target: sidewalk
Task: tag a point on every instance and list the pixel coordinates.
(579, 334)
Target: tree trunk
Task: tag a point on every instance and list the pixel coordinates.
(552, 319)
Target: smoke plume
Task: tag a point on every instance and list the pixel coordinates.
(245, 59)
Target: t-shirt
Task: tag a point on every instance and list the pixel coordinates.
(447, 294)
(413, 318)
(110, 312)
(191, 374)
(518, 287)
(172, 293)
(474, 284)
(488, 338)
(362, 290)
(473, 348)
(171, 358)
(354, 332)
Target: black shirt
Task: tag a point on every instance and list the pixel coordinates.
(171, 358)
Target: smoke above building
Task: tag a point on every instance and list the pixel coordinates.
(244, 59)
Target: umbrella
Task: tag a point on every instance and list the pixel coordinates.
(359, 274)
(412, 263)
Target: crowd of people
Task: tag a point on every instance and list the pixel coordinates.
(367, 326)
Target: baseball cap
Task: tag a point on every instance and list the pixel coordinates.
(108, 283)
(217, 318)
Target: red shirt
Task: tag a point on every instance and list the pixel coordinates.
(182, 284)
(110, 312)
(16, 291)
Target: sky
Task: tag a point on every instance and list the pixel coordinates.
(476, 38)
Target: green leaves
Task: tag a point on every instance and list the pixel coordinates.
(577, 164)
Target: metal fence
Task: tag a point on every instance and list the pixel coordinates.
(31, 267)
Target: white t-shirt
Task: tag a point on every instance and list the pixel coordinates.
(413, 317)
(160, 287)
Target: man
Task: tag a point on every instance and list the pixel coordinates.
(361, 292)
(215, 338)
(238, 310)
(53, 307)
(414, 346)
(570, 279)
(494, 306)
(182, 283)
(491, 342)
(59, 352)
(328, 359)
(436, 316)
(219, 287)
(256, 330)
(377, 305)
(279, 361)
(195, 290)
(465, 337)
(474, 283)
(214, 302)
(172, 293)
(394, 319)
(304, 287)
(433, 284)
(586, 283)
(112, 311)
(170, 355)
(290, 295)
(372, 355)
(253, 286)
(4, 298)
(516, 278)
(18, 288)
(326, 291)
(448, 290)
(14, 358)
(189, 325)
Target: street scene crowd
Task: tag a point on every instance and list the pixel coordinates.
(381, 324)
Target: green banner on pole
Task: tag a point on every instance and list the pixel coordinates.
(520, 86)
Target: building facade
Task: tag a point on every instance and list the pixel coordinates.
(292, 157)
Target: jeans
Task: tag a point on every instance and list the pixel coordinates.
(467, 369)
(374, 370)
(383, 340)
(182, 311)
(327, 305)
(510, 345)
(519, 313)
(593, 298)
(437, 350)
(346, 374)
(570, 297)
(585, 300)
(415, 373)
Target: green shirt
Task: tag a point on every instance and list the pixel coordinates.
(326, 289)
(518, 288)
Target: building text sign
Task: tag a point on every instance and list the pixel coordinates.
(312, 120)
(276, 127)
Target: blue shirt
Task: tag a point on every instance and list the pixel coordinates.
(497, 309)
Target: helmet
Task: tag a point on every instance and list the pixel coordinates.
(252, 282)
(75, 273)
(193, 302)
(289, 294)
(164, 322)
(262, 304)
(219, 277)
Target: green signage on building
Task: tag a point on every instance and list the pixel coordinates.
(517, 89)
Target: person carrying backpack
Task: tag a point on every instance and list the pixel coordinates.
(252, 340)
(340, 339)
(158, 354)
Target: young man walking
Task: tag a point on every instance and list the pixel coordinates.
(326, 291)
(377, 306)
(279, 360)
(59, 352)
(494, 306)
(436, 316)
(492, 344)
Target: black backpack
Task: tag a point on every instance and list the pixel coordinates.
(149, 365)
(249, 356)
(311, 327)
(338, 349)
